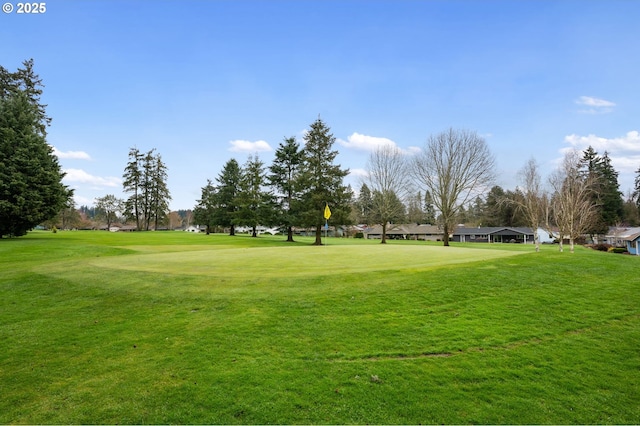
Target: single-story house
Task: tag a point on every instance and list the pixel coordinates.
(618, 237)
(494, 234)
(406, 232)
(633, 244)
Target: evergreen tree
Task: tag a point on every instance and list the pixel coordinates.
(321, 181)
(146, 177)
(631, 216)
(27, 82)
(132, 182)
(415, 212)
(429, 209)
(605, 195)
(226, 195)
(494, 214)
(636, 191)
(612, 201)
(283, 176)
(364, 204)
(204, 212)
(31, 189)
(475, 212)
(160, 195)
(255, 204)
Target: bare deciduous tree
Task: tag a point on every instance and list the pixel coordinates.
(388, 181)
(531, 200)
(454, 166)
(572, 206)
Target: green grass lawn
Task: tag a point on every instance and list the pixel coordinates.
(99, 327)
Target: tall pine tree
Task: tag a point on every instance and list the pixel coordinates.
(145, 176)
(204, 212)
(31, 188)
(227, 192)
(321, 181)
(606, 195)
(254, 201)
(283, 175)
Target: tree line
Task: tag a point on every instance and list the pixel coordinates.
(450, 181)
(293, 191)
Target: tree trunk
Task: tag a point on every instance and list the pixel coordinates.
(571, 244)
(318, 241)
(384, 234)
(445, 237)
(253, 231)
(232, 231)
(290, 234)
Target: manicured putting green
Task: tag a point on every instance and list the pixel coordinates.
(263, 262)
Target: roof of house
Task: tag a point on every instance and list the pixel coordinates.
(632, 237)
(493, 230)
(622, 233)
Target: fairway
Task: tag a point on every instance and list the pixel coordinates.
(160, 328)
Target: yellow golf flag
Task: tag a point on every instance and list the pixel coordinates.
(327, 212)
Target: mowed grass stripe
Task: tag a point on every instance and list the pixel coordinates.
(299, 261)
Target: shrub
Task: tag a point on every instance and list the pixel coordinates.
(601, 247)
(619, 250)
(359, 235)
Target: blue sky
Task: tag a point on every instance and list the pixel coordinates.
(209, 80)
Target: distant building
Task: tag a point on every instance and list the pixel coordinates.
(405, 232)
(494, 234)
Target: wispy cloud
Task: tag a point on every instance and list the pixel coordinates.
(80, 176)
(595, 105)
(72, 155)
(358, 173)
(629, 143)
(249, 147)
(362, 142)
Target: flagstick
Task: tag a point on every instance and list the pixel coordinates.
(327, 215)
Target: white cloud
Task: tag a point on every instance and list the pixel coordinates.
(365, 143)
(250, 147)
(594, 102)
(358, 173)
(597, 106)
(80, 176)
(371, 143)
(72, 155)
(624, 152)
(629, 143)
(412, 150)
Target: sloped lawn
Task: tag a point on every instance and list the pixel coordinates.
(186, 328)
